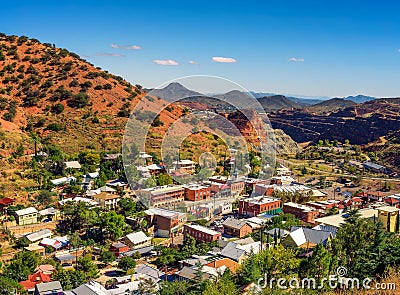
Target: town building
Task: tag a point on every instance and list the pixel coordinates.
(119, 248)
(33, 279)
(165, 223)
(389, 216)
(186, 166)
(72, 165)
(163, 196)
(239, 250)
(236, 227)
(306, 238)
(5, 203)
(63, 180)
(107, 201)
(39, 235)
(228, 263)
(237, 187)
(254, 206)
(374, 167)
(338, 219)
(220, 190)
(26, 216)
(137, 240)
(223, 208)
(50, 288)
(201, 233)
(303, 212)
(194, 192)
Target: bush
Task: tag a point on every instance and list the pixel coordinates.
(79, 100)
(40, 122)
(54, 127)
(86, 85)
(124, 113)
(74, 83)
(12, 111)
(57, 108)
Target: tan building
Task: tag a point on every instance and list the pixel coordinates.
(186, 166)
(107, 201)
(163, 196)
(26, 216)
(389, 216)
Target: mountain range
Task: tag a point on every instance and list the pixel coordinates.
(270, 101)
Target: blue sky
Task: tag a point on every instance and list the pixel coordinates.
(315, 48)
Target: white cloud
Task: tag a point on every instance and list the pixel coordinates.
(192, 62)
(126, 47)
(110, 54)
(166, 62)
(296, 59)
(224, 59)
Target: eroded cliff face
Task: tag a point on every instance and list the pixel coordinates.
(360, 124)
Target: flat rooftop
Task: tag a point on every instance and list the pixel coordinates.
(260, 200)
(338, 219)
(163, 212)
(202, 229)
(299, 206)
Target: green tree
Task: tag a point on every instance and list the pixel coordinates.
(164, 179)
(69, 279)
(318, 266)
(86, 265)
(8, 285)
(113, 224)
(107, 256)
(126, 263)
(23, 264)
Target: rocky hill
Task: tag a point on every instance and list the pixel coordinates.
(62, 98)
(173, 91)
(330, 105)
(277, 102)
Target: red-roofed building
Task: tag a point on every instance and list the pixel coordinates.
(5, 203)
(34, 279)
(118, 248)
(353, 203)
(392, 201)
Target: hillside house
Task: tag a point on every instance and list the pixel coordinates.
(26, 216)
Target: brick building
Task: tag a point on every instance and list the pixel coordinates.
(165, 223)
(201, 233)
(163, 196)
(237, 228)
(197, 192)
(303, 212)
(260, 205)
